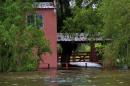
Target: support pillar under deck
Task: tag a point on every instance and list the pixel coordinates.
(93, 56)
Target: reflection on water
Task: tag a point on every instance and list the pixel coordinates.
(78, 77)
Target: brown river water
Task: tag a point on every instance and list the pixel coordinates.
(75, 77)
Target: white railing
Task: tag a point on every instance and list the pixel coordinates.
(78, 37)
(71, 37)
(44, 5)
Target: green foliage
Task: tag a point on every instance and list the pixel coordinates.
(86, 3)
(79, 2)
(18, 40)
(83, 20)
(116, 16)
(63, 11)
(59, 48)
(83, 48)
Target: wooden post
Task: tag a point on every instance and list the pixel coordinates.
(93, 56)
(66, 66)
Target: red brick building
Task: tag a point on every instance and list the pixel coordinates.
(47, 12)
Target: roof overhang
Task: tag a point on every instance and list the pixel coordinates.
(44, 5)
(80, 38)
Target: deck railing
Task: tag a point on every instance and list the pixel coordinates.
(78, 57)
(81, 57)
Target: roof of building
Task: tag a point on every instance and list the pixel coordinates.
(44, 5)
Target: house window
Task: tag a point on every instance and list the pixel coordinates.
(39, 21)
(36, 20)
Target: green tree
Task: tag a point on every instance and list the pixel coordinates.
(18, 39)
(84, 19)
(116, 18)
(63, 11)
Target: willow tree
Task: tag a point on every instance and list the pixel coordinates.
(116, 18)
(18, 38)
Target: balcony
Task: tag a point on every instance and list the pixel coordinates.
(44, 5)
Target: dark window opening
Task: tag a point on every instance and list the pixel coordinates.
(35, 20)
(39, 21)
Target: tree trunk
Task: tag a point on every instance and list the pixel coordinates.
(67, 49)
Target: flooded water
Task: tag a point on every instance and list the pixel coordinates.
(77, 77)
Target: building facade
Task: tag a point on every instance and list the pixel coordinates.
(47, 12)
